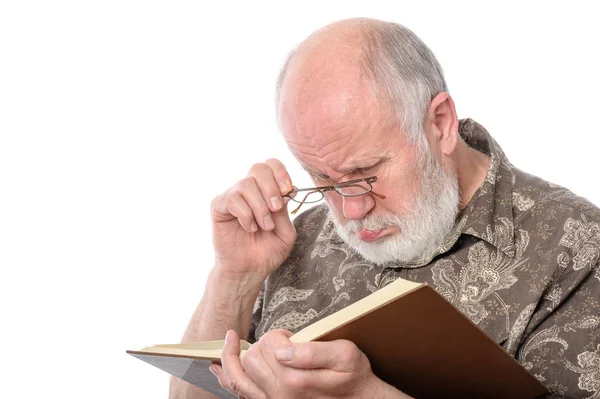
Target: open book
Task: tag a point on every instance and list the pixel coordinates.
(414, 339)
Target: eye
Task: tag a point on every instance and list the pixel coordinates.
(366, 170)
(324, 179)
(317, 177)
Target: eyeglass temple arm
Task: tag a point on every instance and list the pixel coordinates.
(302, 202)
(377, 195)
(297, 190)
(306, 196)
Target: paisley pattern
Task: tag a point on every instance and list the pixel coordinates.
(522, 202)
(539, 340)
(484, 273)
(516, 332)
(589, 371)
(287, 294)
(521, 263)
(584, 238)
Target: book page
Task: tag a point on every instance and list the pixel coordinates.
(371, 302)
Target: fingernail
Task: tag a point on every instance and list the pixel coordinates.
(284, 354)
(227, 336)
(276, 202)
(212, 370)
(254, 227)
(284, 186)
(269, 222)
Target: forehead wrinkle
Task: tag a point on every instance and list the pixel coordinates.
(318, 144)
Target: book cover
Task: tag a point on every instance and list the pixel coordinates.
(414, 339)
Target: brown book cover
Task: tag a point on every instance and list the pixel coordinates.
(414, 339)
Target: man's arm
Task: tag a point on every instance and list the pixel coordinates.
(563, 351)
(226, 305)
(252, 236)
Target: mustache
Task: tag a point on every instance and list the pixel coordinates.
(373, 222)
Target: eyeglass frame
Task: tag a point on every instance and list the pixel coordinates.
(369, 180)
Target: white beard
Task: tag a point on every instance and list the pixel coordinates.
(431, 219)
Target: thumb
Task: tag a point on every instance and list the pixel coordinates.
(283, 225)
(232, 344)
(339, 355)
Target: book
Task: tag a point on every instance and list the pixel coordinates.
(414, 339)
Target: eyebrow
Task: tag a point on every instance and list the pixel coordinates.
(344, 171)
(314, 173)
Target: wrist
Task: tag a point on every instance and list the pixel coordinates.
(233, 286)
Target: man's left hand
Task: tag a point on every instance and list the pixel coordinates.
(274, 367)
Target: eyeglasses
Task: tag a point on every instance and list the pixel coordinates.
(352, 188)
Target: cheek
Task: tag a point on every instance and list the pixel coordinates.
(399, 197)
(335, 202)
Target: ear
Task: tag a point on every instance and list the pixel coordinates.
(442, 123)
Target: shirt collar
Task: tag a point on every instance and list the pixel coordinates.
(489, 214)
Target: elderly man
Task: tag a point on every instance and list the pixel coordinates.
(517, 255)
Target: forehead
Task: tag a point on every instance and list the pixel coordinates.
(329, 115)
(336, 145)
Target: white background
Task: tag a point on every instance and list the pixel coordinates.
(121, 120)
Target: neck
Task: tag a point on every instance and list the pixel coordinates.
(472, 167)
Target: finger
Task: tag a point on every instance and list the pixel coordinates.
(218, 208)
(260, 363)
(237, 206)
(339, 355)
(217, 370)
(296, 379)
(291, 194)
(270, 342)
(230, 206)
(268, 186)
(258, 369)
(239, 382)
(284, 227)
(248, 189)
(284, 181)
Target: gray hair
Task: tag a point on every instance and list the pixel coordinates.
(403, 70)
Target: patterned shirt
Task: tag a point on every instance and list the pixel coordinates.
(521, 263)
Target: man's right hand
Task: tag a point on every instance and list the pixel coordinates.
(252, 231)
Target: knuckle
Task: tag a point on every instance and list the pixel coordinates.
(234, 208)
(306, 352)
(260, 212)
(250, 359)
(294, 381)
(235, 384)
(349, 352)
(238, 385)
(246, 183)
(258, 168)
(268, 335)
(270, 338)
(215, 201)
(274, 164)
(278, 168)
(265, 340)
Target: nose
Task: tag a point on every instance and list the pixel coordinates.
(355, 208)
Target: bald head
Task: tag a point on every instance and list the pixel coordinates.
(359, 62)
(345, 40)
(325, 83)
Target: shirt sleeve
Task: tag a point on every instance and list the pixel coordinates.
(563, 350)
